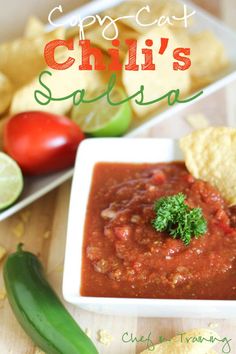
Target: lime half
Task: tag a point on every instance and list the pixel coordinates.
(100, 118)
(11, 181)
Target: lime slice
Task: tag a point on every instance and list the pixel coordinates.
(102, 119)
(11, 181)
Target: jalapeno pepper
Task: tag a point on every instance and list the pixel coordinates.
(38, 308)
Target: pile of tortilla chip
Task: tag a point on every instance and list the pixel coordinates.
(208, 55)
(22, 60)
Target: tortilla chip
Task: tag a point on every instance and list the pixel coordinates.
(183, 37)
(22, 59)
(159, 12)
(6, 92)
(208, 58)
(197, 121)
(176, 8)
(210, 154)
(96, 37)
(34, 28)
(62, 83)
(130, 8)
(160, 81)
(185, 343)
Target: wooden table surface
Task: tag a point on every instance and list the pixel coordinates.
(42, 227)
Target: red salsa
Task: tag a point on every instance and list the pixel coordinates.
(124, 256)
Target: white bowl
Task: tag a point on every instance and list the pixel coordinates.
(90, 152)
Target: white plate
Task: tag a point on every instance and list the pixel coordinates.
(35, 188)
(134, 151)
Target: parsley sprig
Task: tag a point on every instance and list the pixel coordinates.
(174, 216)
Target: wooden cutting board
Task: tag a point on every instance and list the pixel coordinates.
(42, 227)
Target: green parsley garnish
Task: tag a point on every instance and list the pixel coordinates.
(180, 221)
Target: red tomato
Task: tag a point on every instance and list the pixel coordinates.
(41, 142)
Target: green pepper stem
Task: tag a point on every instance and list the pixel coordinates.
(19, 247)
